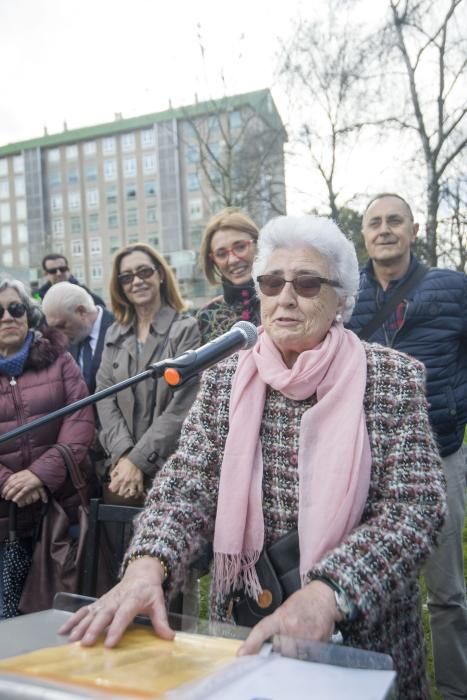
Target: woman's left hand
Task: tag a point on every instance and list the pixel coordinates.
(126, 479)
(310, 613)
(23, 487)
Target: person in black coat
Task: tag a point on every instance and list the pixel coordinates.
(56, 269)
(71, 309)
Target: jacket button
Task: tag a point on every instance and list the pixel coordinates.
(115, 365)
(152, 457)
(294, 459)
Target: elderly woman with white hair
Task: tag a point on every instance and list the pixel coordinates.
(307, 461)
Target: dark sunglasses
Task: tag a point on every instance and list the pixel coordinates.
(54, 270)
(304, 285)
(144, 273)
(14, 308)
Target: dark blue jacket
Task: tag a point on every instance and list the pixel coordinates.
(434, 331)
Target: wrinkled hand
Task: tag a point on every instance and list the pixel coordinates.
(139, 592)
(310, 613)
(126, 479)
(23, 488)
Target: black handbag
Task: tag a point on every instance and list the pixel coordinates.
(278, 572)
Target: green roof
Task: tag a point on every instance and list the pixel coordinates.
(260, 100)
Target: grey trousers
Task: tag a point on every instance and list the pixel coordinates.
(444, 576)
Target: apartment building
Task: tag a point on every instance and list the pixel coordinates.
(155, 178)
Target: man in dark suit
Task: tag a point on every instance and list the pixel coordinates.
(56, 270)
(69, 308)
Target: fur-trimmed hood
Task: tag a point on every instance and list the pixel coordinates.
(48, 344)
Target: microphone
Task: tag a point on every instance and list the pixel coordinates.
(242, 335)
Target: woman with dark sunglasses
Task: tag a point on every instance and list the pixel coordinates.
(141, 426)
(37, 377)
(228, 248)
(313, 448)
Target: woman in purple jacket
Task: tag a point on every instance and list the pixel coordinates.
(37, 376)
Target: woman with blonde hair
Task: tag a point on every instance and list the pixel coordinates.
(228, 249)
(141, 425)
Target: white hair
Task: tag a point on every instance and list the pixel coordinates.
(321, 234)
(65, 296)
(34, 313)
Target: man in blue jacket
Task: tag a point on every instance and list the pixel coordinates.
(429, 323)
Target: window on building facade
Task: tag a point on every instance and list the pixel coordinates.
(53, 156)
(128, 142)
(5, 214)
(130, 190)
(24, 256)
(96, 271)
(56, 203)
(71, 152)
(129, 167)
(73, 175)
(18, 164)
(149, 163)
(77, 247)
(111, 194)
(132, 217)
(91, 172)
(214, 150)
(78, 272)
(112, 219)
(75, 224)
(58, 227)
(153, 239)
(92, 198)
(195, 209)
(74, 200)
(96, 246)
(151, 215)
(150, 188)
(110, 170)
(193, 182)
(114, 244)
(90, 148)
(192, 154)
(4, 189)
(20, 209)
(19, 186)
(148, 138)
(108, 146)
(3, 166)
(6, 235)
(134, 238)
(93, 222)
(7, 258)
(55, 178)
(22, 233)
(59, 247)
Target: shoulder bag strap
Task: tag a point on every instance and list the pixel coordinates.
(388, 307)
(74, 471)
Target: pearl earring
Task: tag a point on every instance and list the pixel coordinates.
(339, 318)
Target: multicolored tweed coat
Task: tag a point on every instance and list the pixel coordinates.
(378, 564)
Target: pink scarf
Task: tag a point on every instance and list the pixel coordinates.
(334, 457)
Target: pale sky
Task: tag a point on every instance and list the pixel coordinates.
(81, 61)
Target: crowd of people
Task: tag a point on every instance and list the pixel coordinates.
(341, 427)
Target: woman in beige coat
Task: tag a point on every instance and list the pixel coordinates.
(141, 425)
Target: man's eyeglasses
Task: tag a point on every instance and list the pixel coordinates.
(54, 270)
(240, 249)
(14, 308)
(304, 285)
(144, 273)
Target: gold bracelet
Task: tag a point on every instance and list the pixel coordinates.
(134, 557)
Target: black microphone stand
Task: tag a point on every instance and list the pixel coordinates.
(154, 371)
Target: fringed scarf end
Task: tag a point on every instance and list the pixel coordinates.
(235, 571)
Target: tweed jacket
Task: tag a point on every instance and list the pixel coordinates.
(51, 379)
(144, 421)
(377, 564)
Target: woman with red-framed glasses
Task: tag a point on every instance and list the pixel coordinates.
(228, 249)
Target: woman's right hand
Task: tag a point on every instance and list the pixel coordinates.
(138, 593)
